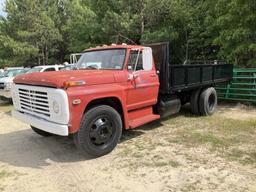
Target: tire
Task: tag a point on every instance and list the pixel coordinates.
(194, 102)
(100, 131)
(208, 101)
(41, 132)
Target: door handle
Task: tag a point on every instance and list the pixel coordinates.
(152, 75)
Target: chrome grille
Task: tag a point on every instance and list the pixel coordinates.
(35, 102)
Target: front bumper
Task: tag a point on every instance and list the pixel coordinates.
(44, 125)
(5, 94)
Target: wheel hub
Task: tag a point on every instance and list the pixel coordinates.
(101, 131)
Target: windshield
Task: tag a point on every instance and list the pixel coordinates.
(102, 59)
(13, 73)
(35, 69)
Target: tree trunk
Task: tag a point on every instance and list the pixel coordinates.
(142, 19)
(43, 56)
(38, 56)
(46, 55)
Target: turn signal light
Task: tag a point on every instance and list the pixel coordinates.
(68, 84)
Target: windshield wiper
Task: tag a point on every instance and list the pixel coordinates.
(91, 67)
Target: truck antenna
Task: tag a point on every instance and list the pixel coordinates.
(124, 37)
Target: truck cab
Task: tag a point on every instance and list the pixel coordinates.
(113, 88)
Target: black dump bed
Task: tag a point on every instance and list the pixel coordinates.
(177, 78)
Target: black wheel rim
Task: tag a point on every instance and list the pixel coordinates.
(211, 101)
(101, 131)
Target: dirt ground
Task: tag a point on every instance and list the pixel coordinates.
(178, 154)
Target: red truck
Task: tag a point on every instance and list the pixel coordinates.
(114, 88)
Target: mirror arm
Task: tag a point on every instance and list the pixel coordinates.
(137, 60)
(130, 77)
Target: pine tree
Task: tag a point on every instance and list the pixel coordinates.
(28, 34)
(235, 22)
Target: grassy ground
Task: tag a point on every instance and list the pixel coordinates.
(222, 134)
(231, 138)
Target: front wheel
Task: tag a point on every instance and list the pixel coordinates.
(100, 131)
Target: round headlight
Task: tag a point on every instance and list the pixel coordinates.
(56, 107)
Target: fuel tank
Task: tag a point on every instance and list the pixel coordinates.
(168, 106)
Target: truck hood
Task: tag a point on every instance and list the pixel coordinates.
(56, 79)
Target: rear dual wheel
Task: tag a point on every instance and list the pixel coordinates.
(194, 102)
(208, 101)
(204, 102)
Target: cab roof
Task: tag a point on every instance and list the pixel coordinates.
(48, 66)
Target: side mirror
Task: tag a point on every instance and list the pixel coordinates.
(129, 67)
(147, 59)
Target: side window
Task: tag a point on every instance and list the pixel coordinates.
(134, 57)
(50, 69)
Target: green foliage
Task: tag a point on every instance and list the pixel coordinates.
(47, 31)
(81, 26)
(28, 35)
(235, 21)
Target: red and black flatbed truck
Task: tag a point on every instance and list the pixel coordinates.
(113, 88)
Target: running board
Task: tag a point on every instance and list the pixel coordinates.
(141, 117)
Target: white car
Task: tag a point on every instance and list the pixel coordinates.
(1, 73)
(7, 80)
(45, 68)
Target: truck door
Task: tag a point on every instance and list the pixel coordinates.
(143, 83)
